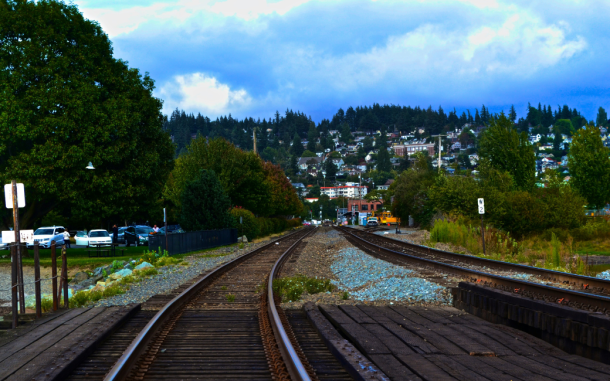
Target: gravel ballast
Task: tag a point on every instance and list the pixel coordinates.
(359, 278)
(370, 279)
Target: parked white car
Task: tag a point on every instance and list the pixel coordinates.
(47, 234)
(96, 237)
(81, 238)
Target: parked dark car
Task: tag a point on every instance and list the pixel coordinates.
(136, 235)
(121, 234)
(171, 229)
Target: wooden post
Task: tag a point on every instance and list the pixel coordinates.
(20, 287)
(483, 233)
(64, 275)
(54, 275)
(14, 284)
(37, 279)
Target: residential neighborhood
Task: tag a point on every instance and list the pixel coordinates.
(355, 164)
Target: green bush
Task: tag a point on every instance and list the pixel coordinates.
(249, 226)
(153, 256)
(291, 289)
(80, 299)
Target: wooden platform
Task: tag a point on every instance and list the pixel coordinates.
(49, 347)
(444, 343)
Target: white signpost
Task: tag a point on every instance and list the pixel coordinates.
(8, 236)
(8, 196)
(481, 203)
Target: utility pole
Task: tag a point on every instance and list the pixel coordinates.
(439, 150)
(254, 138)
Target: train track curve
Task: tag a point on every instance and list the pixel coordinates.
(586, 293)
(225, 325)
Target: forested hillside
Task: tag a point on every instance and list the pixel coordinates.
(283, 128)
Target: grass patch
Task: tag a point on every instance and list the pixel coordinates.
(345, 296)
(230, 298)
(46, 304)
(146, 272)
(84, 298)
(223, 288)
(168, 261)
(291, 289)
(128, 280)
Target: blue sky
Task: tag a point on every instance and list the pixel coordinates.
(250, 58)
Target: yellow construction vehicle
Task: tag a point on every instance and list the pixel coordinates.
(385, 217)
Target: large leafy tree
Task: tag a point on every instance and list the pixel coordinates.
(590, 166)
(283, 198)
(205, 205)
(240, 173)
(411, 191)
(66, 101)
(507, 150)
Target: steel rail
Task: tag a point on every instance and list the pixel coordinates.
(583, 281)
(138, 346)
(291, 359)
(561, 295)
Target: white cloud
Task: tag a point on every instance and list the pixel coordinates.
(198, 92)
(127, 19)
(518, 47)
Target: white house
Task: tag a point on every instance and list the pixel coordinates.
(345, 191)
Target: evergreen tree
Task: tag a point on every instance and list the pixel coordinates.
(383, 159)
(297, 147)
(404, 163)
(312, 137)
(331, 169)
(557, 140)
(346, 135)
(294, 165)
(350, 118)
(602, 118)
(367, 144)
(512, 115)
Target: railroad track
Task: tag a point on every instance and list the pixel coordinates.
(582, 292)
(225, 325)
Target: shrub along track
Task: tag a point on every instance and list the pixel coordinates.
(577, 291)
(220, 327)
